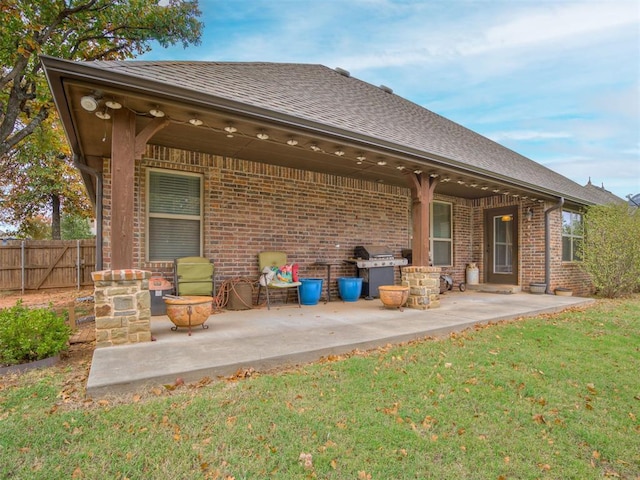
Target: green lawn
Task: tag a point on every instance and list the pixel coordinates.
(555, 397)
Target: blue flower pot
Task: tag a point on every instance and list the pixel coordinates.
(349, 288)
(310, 291)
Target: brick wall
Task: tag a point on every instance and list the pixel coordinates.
(251, 207)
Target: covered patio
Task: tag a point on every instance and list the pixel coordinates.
(286, 335)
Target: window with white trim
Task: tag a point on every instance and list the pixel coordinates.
(174, 215)
(572, 235)
(441, 246)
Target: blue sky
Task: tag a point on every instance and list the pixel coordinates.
(557, 81)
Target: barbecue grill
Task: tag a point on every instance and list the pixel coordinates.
(375, 266)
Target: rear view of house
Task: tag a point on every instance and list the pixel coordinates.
(225, 160)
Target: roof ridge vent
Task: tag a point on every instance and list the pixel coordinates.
(343, 72)
(384, 88)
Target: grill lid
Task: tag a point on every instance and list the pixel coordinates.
(368, 252)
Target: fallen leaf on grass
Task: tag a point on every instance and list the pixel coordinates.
(538, 418)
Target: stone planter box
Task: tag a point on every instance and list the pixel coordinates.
(537, 288)
(563, 292)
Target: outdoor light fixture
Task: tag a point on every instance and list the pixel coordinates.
(339, 152)
(529, 214)
(506, 218)
(315, 147)
(196, 122)
(292, 141)
(89, 103)
(460, 182)
(382, 163)
(361, 158)
(262, 136)
(230, 130)
(400, 167)
(156, 112)
(446, 179)
(103, 115)
(484, 187)
(113, 105)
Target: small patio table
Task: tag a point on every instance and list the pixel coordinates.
(321, 263)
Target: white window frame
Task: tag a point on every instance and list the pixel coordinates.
(433, 239)
(571, 235)
(149, 215)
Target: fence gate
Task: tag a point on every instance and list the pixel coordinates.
(38, 264)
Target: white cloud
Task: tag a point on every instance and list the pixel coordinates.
(557, 23)
(527, 135)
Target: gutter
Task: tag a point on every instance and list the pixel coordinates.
(87, 169)
(547, 243)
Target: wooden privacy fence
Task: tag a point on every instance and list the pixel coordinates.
(37, 264)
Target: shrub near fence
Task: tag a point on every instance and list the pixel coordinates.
(39, 264)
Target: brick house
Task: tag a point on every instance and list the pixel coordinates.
(225, 160)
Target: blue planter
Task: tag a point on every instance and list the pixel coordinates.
(310, 291)
(350, 288)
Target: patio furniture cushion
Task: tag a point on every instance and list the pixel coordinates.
(273, 262)
(194, 276)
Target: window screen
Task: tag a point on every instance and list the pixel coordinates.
(174, 215)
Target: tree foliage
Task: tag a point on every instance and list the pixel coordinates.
(75, 227)
(611, 249)
(74, 30)
(43, 183)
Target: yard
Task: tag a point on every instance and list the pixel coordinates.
(551, 397)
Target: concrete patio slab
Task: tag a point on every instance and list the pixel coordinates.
(286, 335)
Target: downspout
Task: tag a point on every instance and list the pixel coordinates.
(547, 243)
(98, 175)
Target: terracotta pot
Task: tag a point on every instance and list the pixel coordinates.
(393, 296)
(188, 311)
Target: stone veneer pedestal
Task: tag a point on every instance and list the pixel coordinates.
(424, 286)
(122, 307)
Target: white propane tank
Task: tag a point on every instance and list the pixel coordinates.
(473, 277)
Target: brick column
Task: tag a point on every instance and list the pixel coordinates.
(122, 307)
(424, 286)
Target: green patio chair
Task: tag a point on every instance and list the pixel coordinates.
(194, 276)
(271, 261)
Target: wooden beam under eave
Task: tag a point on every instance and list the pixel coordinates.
(422, 187)
(147, 133)
(123, 145)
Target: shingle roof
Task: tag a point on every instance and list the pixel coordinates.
(316, 93)
(602, 195)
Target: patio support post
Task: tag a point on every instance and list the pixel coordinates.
(422, 187)
(123, 140)
(126, 147)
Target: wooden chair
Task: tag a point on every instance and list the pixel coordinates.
(272, 261)
(194, 276)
